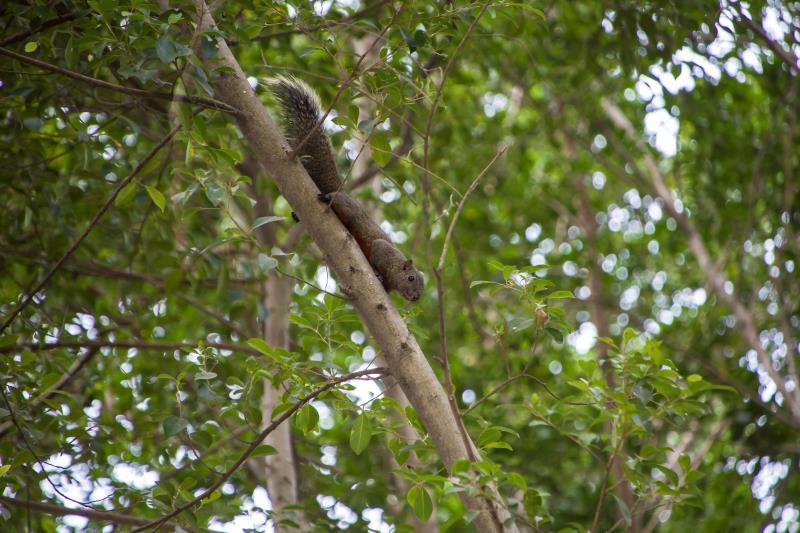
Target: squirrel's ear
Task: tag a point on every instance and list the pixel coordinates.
(408, 264)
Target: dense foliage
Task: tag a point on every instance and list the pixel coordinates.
(619, 292)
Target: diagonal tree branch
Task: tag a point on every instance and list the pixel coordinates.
(139, 345)
(404, 357)
(46, 25)
(785, 55)
(60, 510)
(205, 102)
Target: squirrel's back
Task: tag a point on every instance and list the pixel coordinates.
(301, 112)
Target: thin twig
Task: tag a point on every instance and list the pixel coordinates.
(313, 286)
(461, 203)
(603, 487)
(236, 433)
(448, 379)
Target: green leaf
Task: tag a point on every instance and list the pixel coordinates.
(260, 221)
(685, 463)
(157, 197)
(203, 375)
(260, 345)
(168, 50)
(8, 340)
(126, 194)
(409, 39)
(517, 480)
(173, 425)
(669, 473)
(483, 282)
(381, 151)
(264, 449)
(499, 445)
(627, 336)
(266, 263)
(214, 192)
(361, 433)
(307, 418)
(31, 46)
(560, 294)
(419, 500)
(609, 341)
(460, 466)
(488, 435)
(556, 334)
(48, 380)
(533, 502)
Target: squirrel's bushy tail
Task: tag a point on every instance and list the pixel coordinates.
(301, 111)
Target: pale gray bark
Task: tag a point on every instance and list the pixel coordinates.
(281, 468)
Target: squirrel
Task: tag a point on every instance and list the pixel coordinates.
(301, 111)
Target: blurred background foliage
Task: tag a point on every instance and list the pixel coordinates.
(638, 136)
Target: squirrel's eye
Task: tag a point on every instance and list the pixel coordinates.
(411, 278)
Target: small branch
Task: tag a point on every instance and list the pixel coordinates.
(439, 89)
(139, 345)
(603, 487)
(437, 272)
(403, 150)
(40, 285)
(263, 435)
(492, 392)
(204, 102)
(59, 510)
(524, 374)
(46, 25)
(313, 286)
(236, 433)
(461, 203)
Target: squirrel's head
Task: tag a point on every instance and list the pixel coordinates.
(412, 283)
